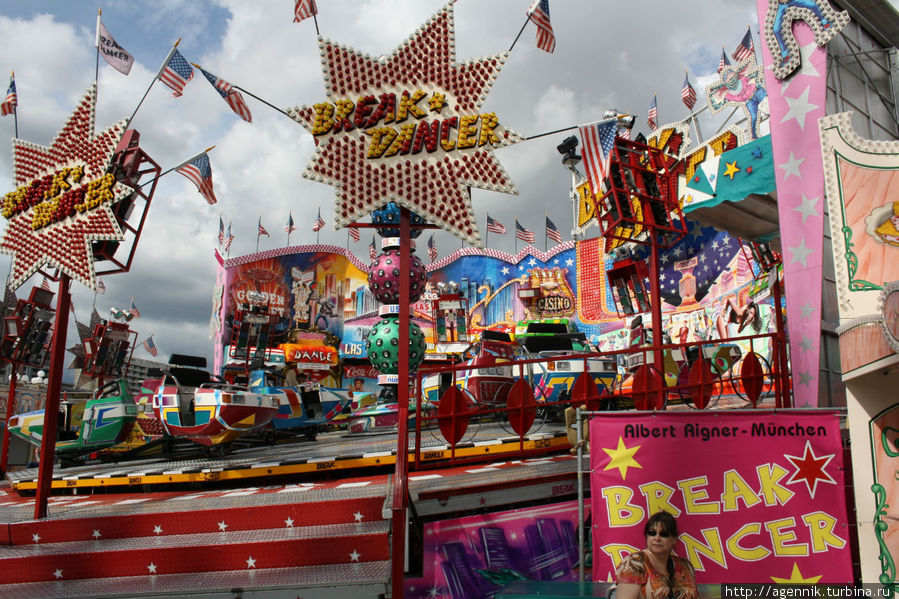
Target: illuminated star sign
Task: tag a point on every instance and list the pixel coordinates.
(810, 469)
(62, 199)
(622, 457)
(407, 128)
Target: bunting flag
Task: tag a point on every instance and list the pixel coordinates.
(150, 346)
(723, 62)
(319, 223)
(221, 232)
(523, 234)
(9, 104)
(552, 232)
(199, 172)
(494, 226)
(354, 234)
(260, 230)
(289, 227)
(231, 96)
(177, 73)
(652, 115)
(117, 57)
(228, 238)
(539, 14)
(304, 9)
(687, 93)
(745, 49)
(598, 139)
(432, 248)
(132, 309)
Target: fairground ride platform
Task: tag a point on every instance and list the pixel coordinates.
(330, 452)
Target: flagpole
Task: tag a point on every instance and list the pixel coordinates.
(267, 103)
(520, 31)
(161, 68)
(545, 241)
(487, 231)
(15, 113)
(97, 45)
(516, 236)
(315, 17)
(693, 117)
(258, 225)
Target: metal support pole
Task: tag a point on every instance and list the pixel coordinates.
(51, 407)
(781, 391)
(582, 535)
(10, 406)
(400, 476)
(656, 305)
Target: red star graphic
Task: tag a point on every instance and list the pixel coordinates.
(810, 469)
(64, 242)
(434, 182)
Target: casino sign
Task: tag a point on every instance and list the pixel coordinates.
(407, 128)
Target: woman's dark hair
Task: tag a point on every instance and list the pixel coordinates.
(664, 521)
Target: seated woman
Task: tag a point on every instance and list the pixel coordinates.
(734, 318)
(656, 573)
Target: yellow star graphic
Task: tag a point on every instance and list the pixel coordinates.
(437, 101)
(796, 577)
(622, 457)
(731, 169)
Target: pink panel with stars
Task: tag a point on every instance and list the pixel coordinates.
(758, 498)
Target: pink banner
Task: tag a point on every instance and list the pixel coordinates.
(796, 103)
(758, 498)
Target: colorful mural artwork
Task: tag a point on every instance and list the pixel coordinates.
(473, 557)
(758, 497)
(884, 430)
(325, 288)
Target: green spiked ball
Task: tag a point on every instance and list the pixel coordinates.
(383, 349)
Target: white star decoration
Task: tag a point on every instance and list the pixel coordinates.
(806, 343)
(800, 253)
(222, 526)
(57, 573)
(791, 167)
(157, 529)
(807, 68)
(354, 556)
(251, 563)
(35, 537)
(807, 207)
(357, 516)
(807, 310)
(151, 568)
(799, 108)
(96, 534)
(289, 522)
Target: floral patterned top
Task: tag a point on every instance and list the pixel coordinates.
(636, 569)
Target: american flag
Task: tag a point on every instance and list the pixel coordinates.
(200, 174)
(652, 116)
(45, 284)
(432, 248)
(598, 139)
(232, 96)
(260, 230)
(177, 73)
(354, 234)
(552, 232)
(150, 346)
(687, 93)
(9, 104)
(132, 309)
(289, 228)
(494, 226)
(724, 61)
(304, 9)
(228, 238)
(101, 286)
(539, 14)
(221, 232)
(372, 252)
(319, 223)
(523, 234)
(745, 49)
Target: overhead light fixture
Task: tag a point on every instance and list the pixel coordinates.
(568, 151)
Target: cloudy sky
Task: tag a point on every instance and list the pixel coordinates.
(608, 54)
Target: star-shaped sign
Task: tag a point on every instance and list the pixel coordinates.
(622, 457)
(62, 199)
(406, 128)
(731, 170)
(810, 469)
(796, 577)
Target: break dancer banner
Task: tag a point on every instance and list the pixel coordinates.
(759, 498)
